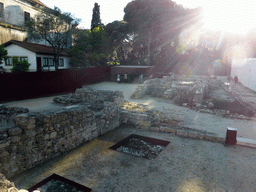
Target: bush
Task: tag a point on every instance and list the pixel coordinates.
(19, 66)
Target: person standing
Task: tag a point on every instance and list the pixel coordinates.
(236, 79)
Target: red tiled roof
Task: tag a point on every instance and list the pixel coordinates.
(38, 2)
(37, 48)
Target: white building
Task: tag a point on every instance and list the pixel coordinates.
(39, 56)
(13, 14)
(245, 70)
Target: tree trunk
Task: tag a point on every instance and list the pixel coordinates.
(149, 46)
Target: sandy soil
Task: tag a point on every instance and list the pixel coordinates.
(192, 119)
(184, 165)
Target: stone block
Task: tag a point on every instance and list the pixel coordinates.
(144, 124)
(142, 117)
(30, 126)
(30, 144)
(195, 135)
(220, 139)
(53, 135)
(208, 137)
(170, 130)
(47, 137)
(198, 105)
(4, 154)
(49, 144)
(182, 133)
(154, 129)
(15, 139)
(4, 145)
(161, 129)
(14, 131)
(22, 119)
(210, 105)
(31, 133)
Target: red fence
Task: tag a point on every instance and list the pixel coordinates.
(35, 84)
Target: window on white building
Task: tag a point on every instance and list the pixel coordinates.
(50, 62)
(45, 62)
(9, 61)
(26, 16)
(23, 58)
(61, 62)
(1, 11)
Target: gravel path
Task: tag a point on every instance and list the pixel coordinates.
(192, 119)
(184, 165)
(37, 104)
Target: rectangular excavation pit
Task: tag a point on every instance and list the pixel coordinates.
(140, 146)
(58, 184)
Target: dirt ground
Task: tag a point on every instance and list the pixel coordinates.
(184, 165)
(191, 118)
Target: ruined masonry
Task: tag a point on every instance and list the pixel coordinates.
(27, 139)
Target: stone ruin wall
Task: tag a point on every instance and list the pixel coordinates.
(7, 34)
(32, 138)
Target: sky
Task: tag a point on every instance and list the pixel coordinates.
(234, 16)
(110, 10)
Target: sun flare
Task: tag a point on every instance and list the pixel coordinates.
(234, 16)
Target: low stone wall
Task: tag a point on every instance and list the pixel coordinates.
(141, 116)
(7, 186)
(86, 96)
(37, 137)
(6, 114)
(187, 90)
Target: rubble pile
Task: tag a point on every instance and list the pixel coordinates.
(30, 138)
(12, 110)
(142, 116)
(7, 186)
(202, 93)
(85, 95)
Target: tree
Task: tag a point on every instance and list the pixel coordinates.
(91, 48)
(155, 25)
(82, 47)
(54, 27)
(118, 32)
(96, 21)
(19, 66)
(3, 54)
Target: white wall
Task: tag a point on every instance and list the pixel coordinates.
(14, 11)
(52, 68)
(246, 72)
(15, 50)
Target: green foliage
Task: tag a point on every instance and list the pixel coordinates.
(154, 25)
(118, 32)
(92, 48)
(113, 63)
(98, 59)
(79, 52)
(3, 54)
(19, 66)
(96, 21)
(54, 27)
